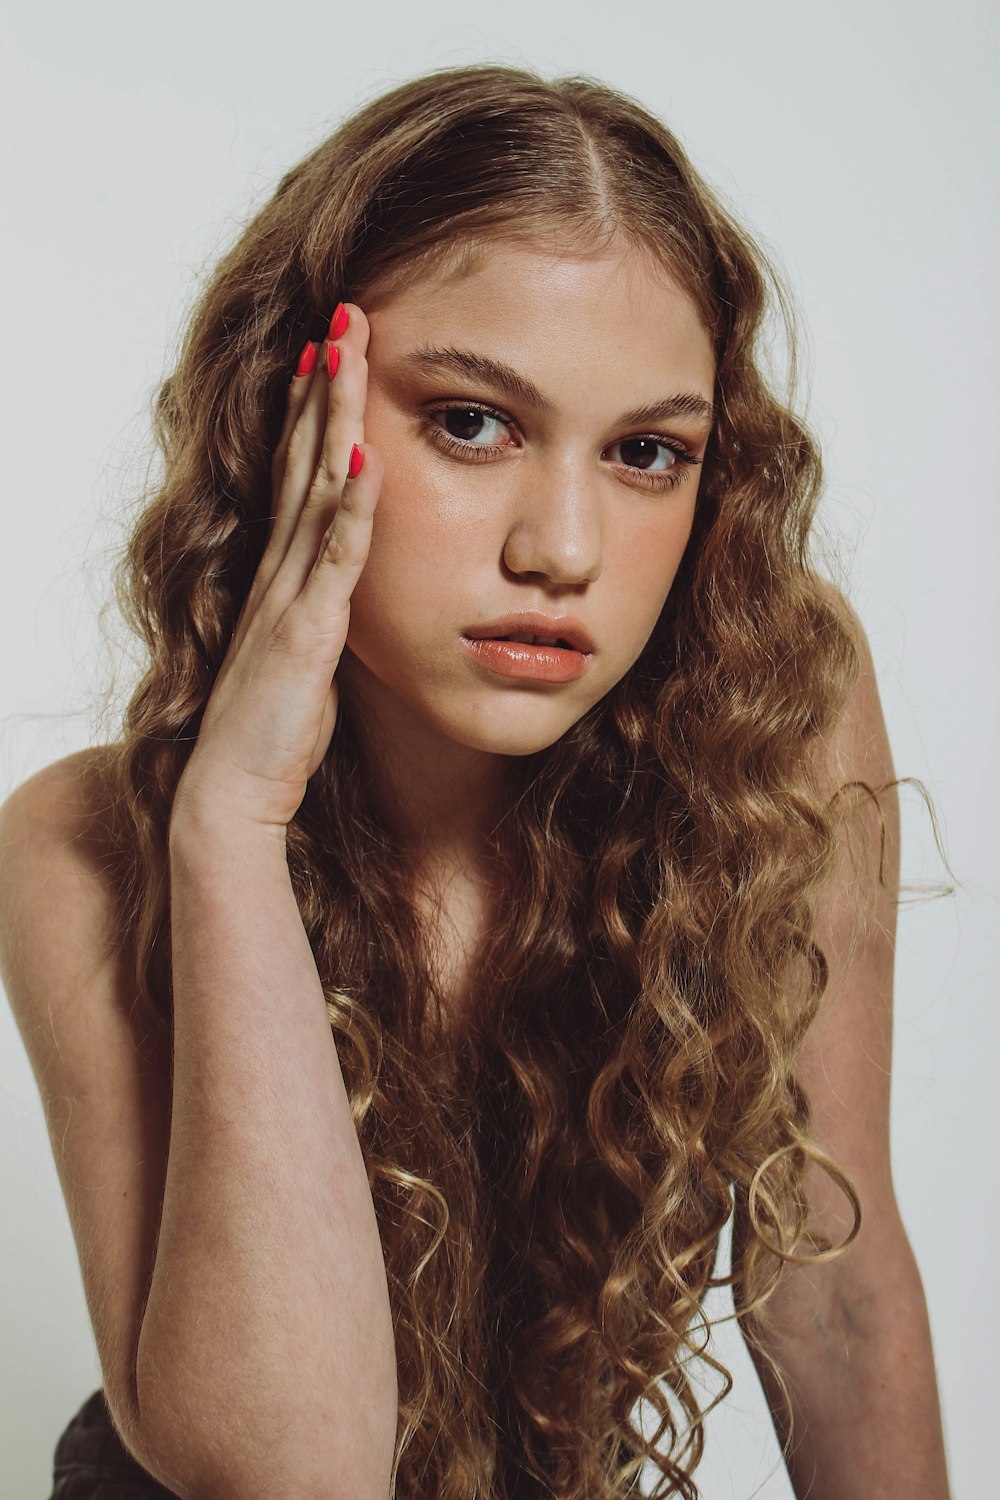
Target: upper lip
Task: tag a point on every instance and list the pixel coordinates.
(533, 622)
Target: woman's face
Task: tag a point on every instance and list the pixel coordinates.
(564, 499)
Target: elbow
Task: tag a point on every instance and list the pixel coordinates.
(141, 1446)
(207, 1459)
(856, 1299)
(212, 1429)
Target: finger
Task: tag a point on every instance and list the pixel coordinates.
(344, 428)
(305, 417)
(348, 336)
(339, 384)
(325, 596)
(301, 448)
(312, 433)
(308, 400)
(301, 387)
(298, 390)
(348, 394)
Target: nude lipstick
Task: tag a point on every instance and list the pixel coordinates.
(532, 645)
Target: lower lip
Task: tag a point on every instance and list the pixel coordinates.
(518, 659)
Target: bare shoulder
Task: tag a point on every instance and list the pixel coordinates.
(62, 804)
(103, 1074)
(856, 746)
(55, 896)
(51, 857)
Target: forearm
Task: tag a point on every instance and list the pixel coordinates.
(857, 1358)
(266, 1362)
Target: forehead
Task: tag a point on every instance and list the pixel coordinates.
(562, 312)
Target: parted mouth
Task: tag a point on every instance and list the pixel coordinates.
(535, 640)
(536, 629)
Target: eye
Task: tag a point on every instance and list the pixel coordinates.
(466, 418)
(640, 452)
(642, 455)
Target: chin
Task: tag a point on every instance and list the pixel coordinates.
(477, 718)
(509, 744)
(511, 734)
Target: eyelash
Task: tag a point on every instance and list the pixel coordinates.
(663, 479)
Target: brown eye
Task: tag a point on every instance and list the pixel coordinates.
(464, 422)
(643, 449)
(640, 453)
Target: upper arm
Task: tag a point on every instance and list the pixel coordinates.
(845, 1061)
(103, 1075)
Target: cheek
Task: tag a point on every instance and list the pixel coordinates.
(645, 560)
(421, 548)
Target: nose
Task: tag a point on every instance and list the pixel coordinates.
(556, 529)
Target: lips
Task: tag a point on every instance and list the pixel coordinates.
(535, 627)
(534, 640)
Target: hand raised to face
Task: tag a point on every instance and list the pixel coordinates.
(272, 710)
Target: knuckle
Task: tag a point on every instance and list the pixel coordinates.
(293, 443)
(335, 549)
(351, 380)
(286, 634)
(325, 479)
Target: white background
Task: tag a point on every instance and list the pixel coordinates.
(858, 140)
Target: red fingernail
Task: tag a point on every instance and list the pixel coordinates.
(307, 360)
(332, 359)
(356, 460)
(339, 321)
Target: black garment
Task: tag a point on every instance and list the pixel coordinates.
(91, 1462)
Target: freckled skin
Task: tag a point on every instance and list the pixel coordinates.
(555, 522)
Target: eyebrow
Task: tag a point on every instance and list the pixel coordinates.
(503, 377)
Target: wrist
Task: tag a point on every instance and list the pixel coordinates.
(201, 827)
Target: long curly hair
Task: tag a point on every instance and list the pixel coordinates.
(551, 1184)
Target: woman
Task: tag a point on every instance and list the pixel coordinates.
(547, 774)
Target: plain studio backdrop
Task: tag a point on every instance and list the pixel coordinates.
(858, 141)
